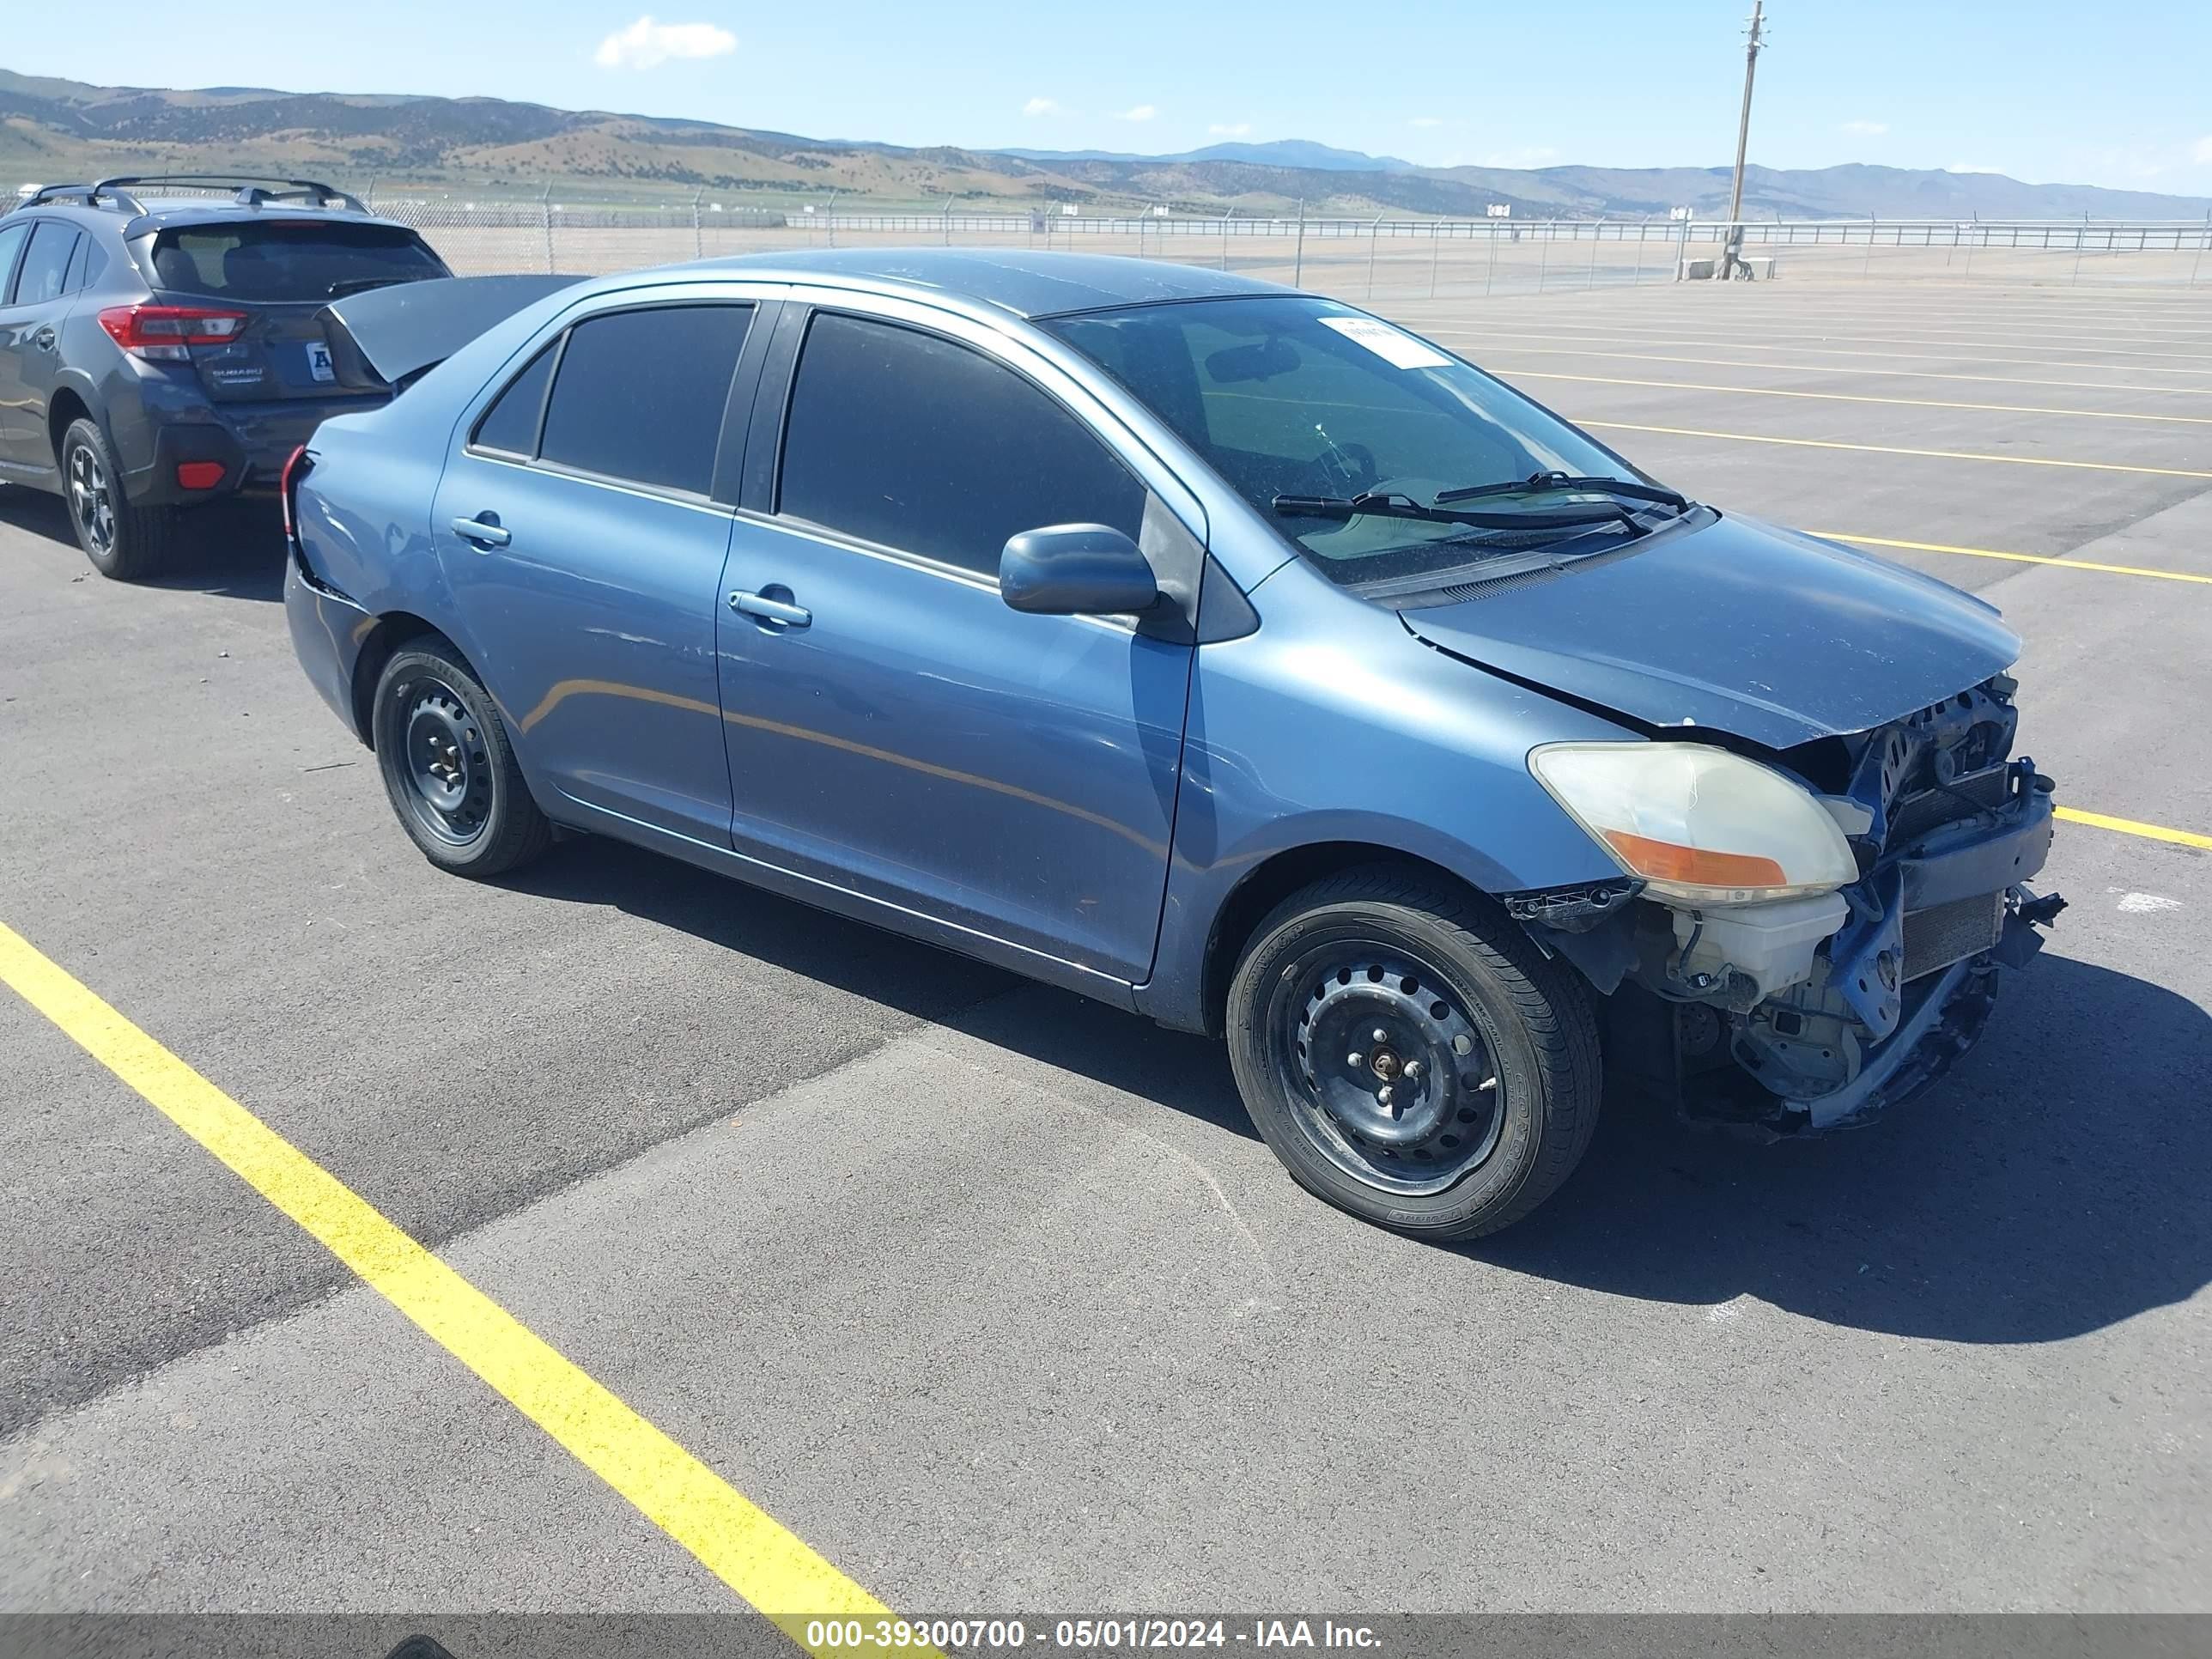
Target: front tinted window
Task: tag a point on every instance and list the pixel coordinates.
(1294, 396)
(640, 394)
(511, 423)
(46, 262)
(276, 259)
(900, 437)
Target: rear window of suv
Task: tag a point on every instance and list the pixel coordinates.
(310, 259)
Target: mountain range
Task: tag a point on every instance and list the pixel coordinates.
(54, 130)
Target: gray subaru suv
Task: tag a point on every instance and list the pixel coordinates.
(160, 352)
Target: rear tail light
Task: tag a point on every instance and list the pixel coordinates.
(163, 332)
(296, 466)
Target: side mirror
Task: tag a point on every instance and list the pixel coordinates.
(1076, 570)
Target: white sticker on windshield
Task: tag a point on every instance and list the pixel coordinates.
(1400, 351)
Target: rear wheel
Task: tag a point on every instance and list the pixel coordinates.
(448, 769)
(124, 542)
(1410, 1056)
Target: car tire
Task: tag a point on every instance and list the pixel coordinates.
(448, 767)
(1410, 1055)
(125, 541)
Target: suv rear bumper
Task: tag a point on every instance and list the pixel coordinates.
(251, 442)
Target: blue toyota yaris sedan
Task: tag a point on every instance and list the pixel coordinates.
(1212, 649)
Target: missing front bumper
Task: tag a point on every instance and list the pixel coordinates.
(1941, 1016)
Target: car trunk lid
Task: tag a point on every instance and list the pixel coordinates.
(387, 337)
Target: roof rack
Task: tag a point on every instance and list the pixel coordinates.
(251, 191)
(90, 195)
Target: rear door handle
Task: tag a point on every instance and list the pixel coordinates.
(482, 531)
(767, 609)
(44, 339)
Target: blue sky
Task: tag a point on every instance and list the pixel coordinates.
(2044, 91)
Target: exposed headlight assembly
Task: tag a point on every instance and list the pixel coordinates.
(1696, 823)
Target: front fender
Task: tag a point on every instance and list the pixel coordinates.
(1333, 725)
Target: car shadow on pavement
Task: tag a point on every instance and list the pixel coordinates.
(900, 972)
(2055, 1184)
(235, 550)
(1175, 1069)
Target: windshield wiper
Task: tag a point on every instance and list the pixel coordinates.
(1542, 481)
(1390, 504)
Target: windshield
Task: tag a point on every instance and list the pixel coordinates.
(1294, 397)
(296, 259)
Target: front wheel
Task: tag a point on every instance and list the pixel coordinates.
(1410, 1056)
(448, 769)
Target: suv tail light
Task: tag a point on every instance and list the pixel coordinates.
(296, 466)
(163, 332)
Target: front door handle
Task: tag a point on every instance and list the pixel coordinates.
(482, 531)
(767, 609)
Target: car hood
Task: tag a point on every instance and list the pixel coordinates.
(1769, 634)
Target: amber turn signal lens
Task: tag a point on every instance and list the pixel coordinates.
(1662, 860)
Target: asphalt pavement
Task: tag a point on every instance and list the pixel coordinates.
(990, 1295)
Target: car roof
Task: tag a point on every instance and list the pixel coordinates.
(1025, 283)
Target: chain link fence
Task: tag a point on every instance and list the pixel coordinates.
(1357, 259)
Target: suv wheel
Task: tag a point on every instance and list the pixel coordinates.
(448, 769)
(1410, 1056)
(124, 542)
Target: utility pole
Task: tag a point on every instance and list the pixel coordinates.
(1742, 141)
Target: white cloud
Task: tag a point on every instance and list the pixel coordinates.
(1230, 129)
(2202, 153)
(644, 44)
(1425, 121)
(1141, 113)
(1042, 106)
(1866, 129)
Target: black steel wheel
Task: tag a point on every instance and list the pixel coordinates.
(442, 758)
(1410, 1056)
(448, 767)
(1389, 1076)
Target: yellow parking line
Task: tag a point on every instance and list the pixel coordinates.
(1495, 351)
(1890, 449)
(1860, 397)
(2017, 558)
(2130, 827)
(741, 1543)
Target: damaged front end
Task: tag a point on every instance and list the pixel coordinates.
(1815, 1010)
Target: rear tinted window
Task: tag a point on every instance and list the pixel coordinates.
(640, 394)
(511, 423)
(12, 239)
(907, 440)
(275, 261)
(46, 262)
